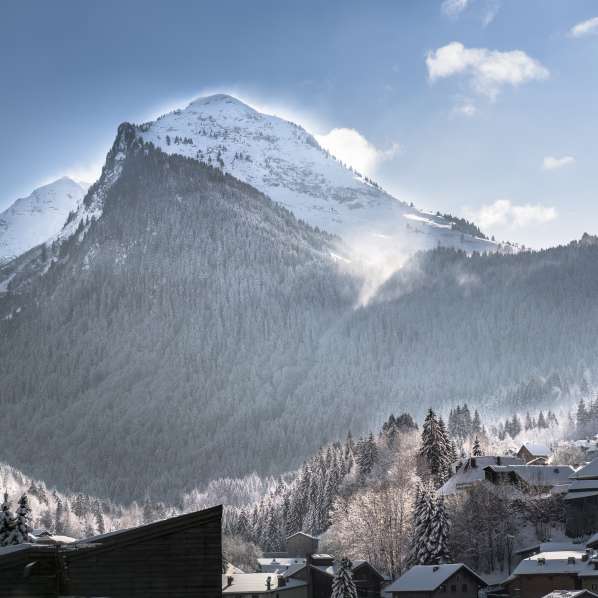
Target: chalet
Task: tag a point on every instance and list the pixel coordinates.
(534, 452)
(469, 471)
(319, 571)
(581, 501)
(430, 581)
(252, 585)
(174, 558)
(543, 478)
(546, 572)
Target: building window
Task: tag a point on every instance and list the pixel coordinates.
(453, 588)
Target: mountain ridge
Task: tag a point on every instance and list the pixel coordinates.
(34, 219)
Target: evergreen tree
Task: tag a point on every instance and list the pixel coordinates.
(367, 455)
(6, 520)
(477, 449)
(436, 448)
(476, 424)
(440, 526)
(343, 585)
(18, 525)
(422, 542)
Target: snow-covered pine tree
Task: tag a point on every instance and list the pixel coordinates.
(6, 518)
(367, 455)
(422, 543)
(436, 448)
(440, 527)
(477, 449)
(19, 525)
(343, 585)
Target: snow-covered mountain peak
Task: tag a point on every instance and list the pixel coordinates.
(34, 219)
(284, 161)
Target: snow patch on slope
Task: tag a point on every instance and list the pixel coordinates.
(286, 163)
(34, 219)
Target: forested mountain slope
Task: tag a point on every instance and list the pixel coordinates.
(163, 346)
(193, 329)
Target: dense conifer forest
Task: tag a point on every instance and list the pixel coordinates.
(197, 330)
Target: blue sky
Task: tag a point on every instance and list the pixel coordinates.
(482, 108)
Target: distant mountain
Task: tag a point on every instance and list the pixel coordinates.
(36, 218)
(184, 327)
(286, 163)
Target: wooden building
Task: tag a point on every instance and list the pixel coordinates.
(430, 581)
(319, 571)
(581, 501)
(532, 452)
(548, 572)
(175, 558)
(262, 585)
(301, 544)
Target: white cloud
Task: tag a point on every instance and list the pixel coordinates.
(492, 8)
(504, 214)
(452, 8)
(552, 162)
(488, 70)
(588, 27)
(352, 148)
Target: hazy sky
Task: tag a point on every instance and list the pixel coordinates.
(482, 108)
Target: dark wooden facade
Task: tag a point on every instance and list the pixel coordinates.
(175, 558)
(319, 581)
(301, 544)
(28, 571)
(581, 514)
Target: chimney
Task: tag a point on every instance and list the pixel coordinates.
(268, 583)
(541, 561)
(229, 581)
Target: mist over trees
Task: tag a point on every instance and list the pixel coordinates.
(197, 330)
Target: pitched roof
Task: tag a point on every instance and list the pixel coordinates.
(426, 578)
(587, 472)
(471, 471)
(537, 475)
(536, 449)
(142, 532)
(551, 563)
(256, 583)
(551, 547)
(570, 594)
(330, 569)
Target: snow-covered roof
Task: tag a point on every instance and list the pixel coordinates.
(471, 471)
(278, 564)
(536, 449)
(426, 578)
(256, 583)
(537, 475)
(570, 594)
(587, 472)
(558, 562)
(329, 569)
(551, 547)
